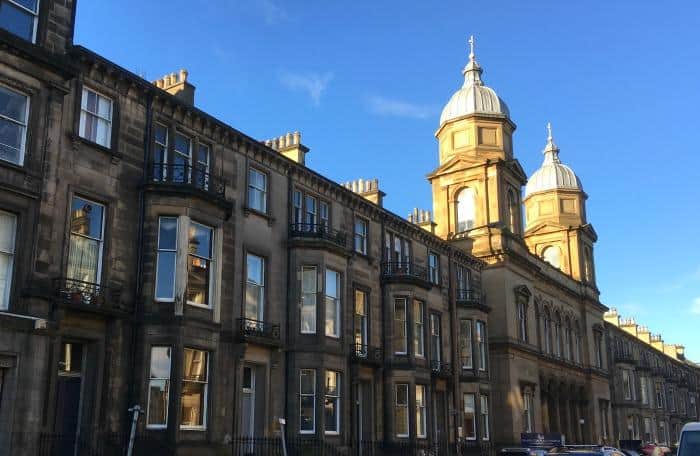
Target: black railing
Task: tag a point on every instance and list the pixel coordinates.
(319, 231)
(421, 447)
(194, 177)
(624, 356)
(258, 330)
(404, 270)
(468, 296)
(272, 446)
(88, 443)
(87, 294)
(367, 353)
(440, 368)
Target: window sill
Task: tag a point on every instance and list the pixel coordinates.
(193, 428)
(247, 211)
(199, 306)
(332, 336)
(332, 432)
(307, 432)
(156, 427)
(77, 139)
(13, 166)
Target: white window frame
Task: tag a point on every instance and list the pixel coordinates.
(298, 208)
(260, 287)
(336, 399)
(84, 113)
(24, 126)
(404, 302)
(168, 383)
(203, 426)
(34, 14)
(324, 210)
(405, 406)
(484, 412)
(100, 240)
(434, 269)
(254, 188)
(481, 343)
(211, 269)
(435, 337)
(158, 261)
(468, 340)
(361, 319)
(626, 384)
(336, 304)
(419, 328)
(360, 236)
(527, 411)
(312, 329)
(10, 253)
(313, 395)
(421, 417)
(467, 407)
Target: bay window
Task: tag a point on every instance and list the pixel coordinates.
(469, 416)
(193, 398)
(20, 17)
(421, 431)
(332, 303)
(401, 410)
(159, 388)
(86, 242)
(309, 288)
(199, 265)
(400, 327)
(485, 434)
(255, 287)
(465, 344)
(95, 118)
(166, 259)
(481, 344)
(332, 405)
(14, 114)
(8, 232)
(307, 401)
(419, 325)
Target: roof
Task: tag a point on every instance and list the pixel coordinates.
(553, 174)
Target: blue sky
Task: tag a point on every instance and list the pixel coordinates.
(365, 82)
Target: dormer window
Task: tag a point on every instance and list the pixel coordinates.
(552, 255)
(466, 210)
(19, 17)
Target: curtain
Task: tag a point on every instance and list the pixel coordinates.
(83, 259)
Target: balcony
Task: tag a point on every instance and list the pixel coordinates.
(314, 234)
(441, 369)
(189, 180)
(405, 272)
(366, 354)
(89, 297)
(624, 356)
(470, 298)
(258, 332)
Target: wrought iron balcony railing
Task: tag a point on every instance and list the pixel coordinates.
(400, 271)
(258, 331)
(319, 231)
(87, 295)
(186, 176)
(624, 356)
(367, 353)
(468, 296)
(441, 369)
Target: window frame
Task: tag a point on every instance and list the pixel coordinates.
(261, 287)
(337, 400)
(485, 418)
(264, 191)
(421, 418)
(101, 240)
(82, 121)
(35, 19)
(419, 328)
(312, 395)
(303, 293)
(203, 426)
(527, 411)
(337, 304)
(168, 383)
(473, 430)
(25, 126)
(363, 318)
(211, 268)
(5, 299)
(361, 236)
(398, 406)
(158, 261)
(435, 322)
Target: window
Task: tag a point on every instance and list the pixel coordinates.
(648, 436)
(401, 252)
(420, 412)
(465, 344)
(255, 287)
(659, 395)
(401, 410)
(557, 335)
(160, 152)
(692, 409)
(323, 214)
(158, 388)
(567, 340)
(194, 389)
(400, 327)
(663, 435)
(598, 347)
(527, 411)
(19, 17)
(8, 231)
(419, 323)
(577, 345)
(309, 288)
(311, 216)
(199, 265)
(307, 401)
(552, 255)
(434, 268)
(547, 332)
(361, 236)
(464, 278)
(588, 264)
(96, 118)
(182, 159)
(166, 259)
(485, 435)
(513, 223)
(257, 190)
(604, 419)
(481, 344)
(671, 399)
(644, 388)
(201, 169)
(14, 113)
(332, 406)
(297, 212)
(332, 303)
(522, 320)
(361, 321)
(466, 210)
(86, 241)
(435, 340)
(626, 384)
(469, 416)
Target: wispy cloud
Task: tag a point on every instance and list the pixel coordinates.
(314, 84)
(695, 306)
(684, 280)
(272, 12)
(399, 108)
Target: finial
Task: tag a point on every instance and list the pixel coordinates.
(471, 42)
(549, 132)
(551, 151)
(472, 72)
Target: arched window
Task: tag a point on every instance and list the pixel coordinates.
(567, 339)
(513, 222)
(577, 343)
(466, 210)
(557, 335)
(588, 264)
(552, 255)
(547, 332)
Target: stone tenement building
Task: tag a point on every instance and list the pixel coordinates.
(151, 254)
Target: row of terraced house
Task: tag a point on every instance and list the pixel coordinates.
(153, 256)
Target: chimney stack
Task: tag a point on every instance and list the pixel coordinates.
(423, 219)
(368, 189)
(176, 84)
(290, 146)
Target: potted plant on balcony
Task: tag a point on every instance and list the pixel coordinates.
(76, 297)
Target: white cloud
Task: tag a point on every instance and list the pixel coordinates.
(388, 107)
(695, 307)
(312, 83)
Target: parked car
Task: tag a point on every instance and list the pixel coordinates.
(523, 452)
(689, 444)
(587, 450)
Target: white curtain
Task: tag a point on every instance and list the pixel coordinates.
(83, 259)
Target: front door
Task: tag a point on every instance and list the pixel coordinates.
(440, 430)
(248, 402)
(69, 398)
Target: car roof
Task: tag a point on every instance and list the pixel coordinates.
(691, 427)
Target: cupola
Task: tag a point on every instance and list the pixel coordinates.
(553, 174)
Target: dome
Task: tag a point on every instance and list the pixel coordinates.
(553, 174)
(474, 97)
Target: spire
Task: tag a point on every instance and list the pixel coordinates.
(551, 151)
(472, 72)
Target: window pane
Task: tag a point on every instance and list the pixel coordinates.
(400, 342)
(83, 259)
(17, 21)
(13, 105)
(167, 233)
(308, 300)
(306, 413)
(332, 279)
(307, 379)
(198, 276)
(11, 141)
(158, 402)
(165, 281)
(200, 240)
(195, 363)
(182, 145)
(254, 266)
(192, 404)
(7, 232)
(160, 362)
(86, 218)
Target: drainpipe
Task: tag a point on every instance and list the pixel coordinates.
(290, 300)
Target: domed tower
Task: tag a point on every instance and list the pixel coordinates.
(476, 188)
(555, 207)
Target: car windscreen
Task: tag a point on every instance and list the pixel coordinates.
(690, 444)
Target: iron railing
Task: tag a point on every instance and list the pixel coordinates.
(195, 177)
(367, 353)
(441, 368)
(272, 446)
(93, 295)
(468, 296)
(404, 270)
(88, 443)
(624, 356)
(319, 231)
(261, 330)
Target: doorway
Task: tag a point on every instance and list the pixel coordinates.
(69, 398)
